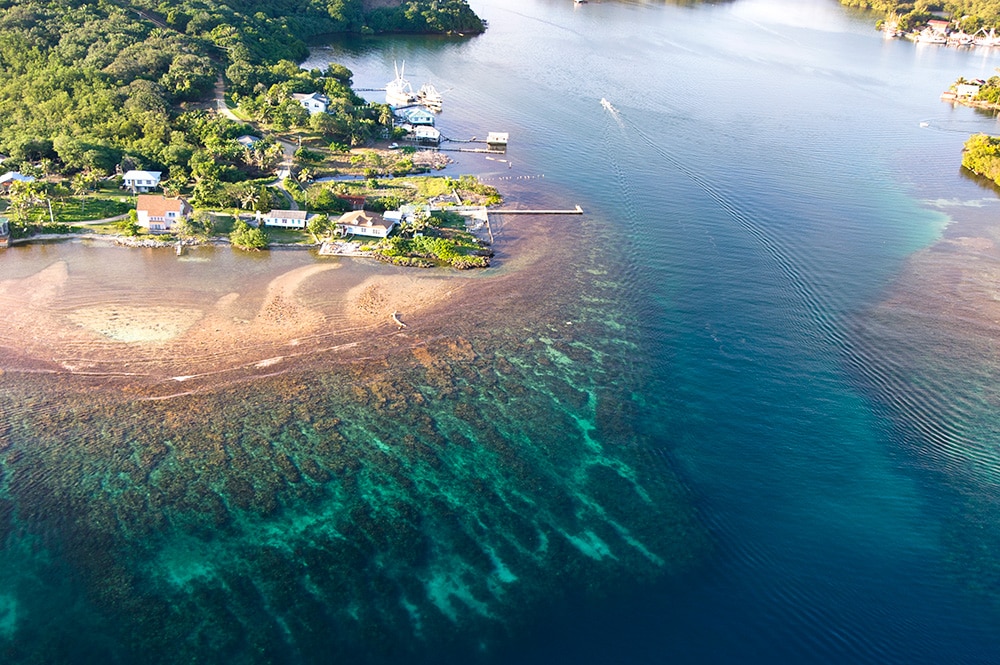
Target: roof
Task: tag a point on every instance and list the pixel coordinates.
(142, 175)
(158, 205)
(497, 137)
(286, 214)
(318, 96)
(14, 176)
(247, 140)
(364, 218)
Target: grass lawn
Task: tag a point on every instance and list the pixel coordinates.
(76, 210)
(289, 236)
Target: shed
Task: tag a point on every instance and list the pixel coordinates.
(497, 140)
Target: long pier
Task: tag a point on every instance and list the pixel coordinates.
(574, 211)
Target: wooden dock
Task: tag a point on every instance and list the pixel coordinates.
(574, 211)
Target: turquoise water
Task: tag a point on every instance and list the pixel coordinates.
(742, 409)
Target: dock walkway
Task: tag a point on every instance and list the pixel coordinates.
(510, 211)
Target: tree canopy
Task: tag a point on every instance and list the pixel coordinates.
(971, 14)
(95, 85)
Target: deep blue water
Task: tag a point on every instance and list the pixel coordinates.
(770, 167)
(743, 409)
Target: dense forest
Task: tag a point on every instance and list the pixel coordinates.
(971, 15)
(101, 85)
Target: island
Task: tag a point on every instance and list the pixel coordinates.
(181, 122)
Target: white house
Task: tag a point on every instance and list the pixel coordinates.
(10, 177)
(158, 213)
(315, 102)
(427, 135)
(289, 219)
(364, 223)
(141, 181)
(969, 90)
(247, 140)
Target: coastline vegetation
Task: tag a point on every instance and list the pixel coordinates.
(981, 155)
(94, 88)
(969, 15)
(440, 240)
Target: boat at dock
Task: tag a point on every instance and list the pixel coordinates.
(399, 92)
(429, 96)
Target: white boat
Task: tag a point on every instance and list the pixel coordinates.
(398, 92)
(931, 37)
(430, 97)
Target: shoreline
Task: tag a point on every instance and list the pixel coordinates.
(316, 311)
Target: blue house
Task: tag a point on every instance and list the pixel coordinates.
(417, 115)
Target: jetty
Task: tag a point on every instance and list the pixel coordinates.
(512, 211)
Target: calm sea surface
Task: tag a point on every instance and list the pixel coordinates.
(745, 411)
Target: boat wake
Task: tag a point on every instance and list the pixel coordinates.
(613, 111)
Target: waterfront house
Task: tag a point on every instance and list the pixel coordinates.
(416, 116)
(938, 26)
(497, 141)
(426, 135)
(288, 219)
(365, 223)
(10, 177)
(157, 213)
(315, 102)
(141, 181)
(966, 90)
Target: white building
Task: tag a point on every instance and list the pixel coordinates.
(158, 213)
(141, 181)
(315, 102)
(288, 219)
(364, 223)
(10, 177)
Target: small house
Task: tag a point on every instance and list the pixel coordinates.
(315, 102)
(158, 213)
(357, 201)
(938, 26)
(497, 141)
(141, 181)
(365, 223)
(247, 141)
(426, 135)
(10, 177)
(968, 90)
(288, 219)
(417, 115)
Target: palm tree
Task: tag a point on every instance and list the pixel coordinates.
(249, 197)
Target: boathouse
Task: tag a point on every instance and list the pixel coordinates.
(497, 141)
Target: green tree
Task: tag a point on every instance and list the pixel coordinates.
(319, 225)
(247, 237)
(129, 225)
